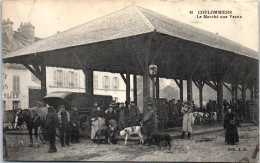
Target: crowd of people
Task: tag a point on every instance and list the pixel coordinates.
(122, 115)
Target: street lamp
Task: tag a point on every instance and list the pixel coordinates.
(153, 72)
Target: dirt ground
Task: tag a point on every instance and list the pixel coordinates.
(202, 148)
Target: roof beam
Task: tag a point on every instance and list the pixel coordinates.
(123, 77)
(211, 85)
(229, 89)
(158, 52)
(178, 83)
(33, 71)
(202, 56)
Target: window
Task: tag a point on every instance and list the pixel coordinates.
(95, 82)
(4, 105)
(71, 79)
(55, 77)
(115, 83)
(76, 79)
(66, 79)
(34, 78)
(106, 82)
(16, 104)
(16, 83)
(59, 78)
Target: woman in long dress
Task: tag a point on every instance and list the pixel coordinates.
(230, 124)
(98, 121)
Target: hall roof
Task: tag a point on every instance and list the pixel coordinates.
(105, 34)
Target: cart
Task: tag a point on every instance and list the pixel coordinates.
(84, 103)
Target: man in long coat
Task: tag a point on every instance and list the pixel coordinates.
(74, 118)
(50, 128)
(132, 115)
(64, 126)
(149, 121)
(121, 117)
(188, 120)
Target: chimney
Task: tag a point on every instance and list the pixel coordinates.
(27, 29)
(7, 28)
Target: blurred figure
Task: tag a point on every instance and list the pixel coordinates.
(226, 105)
(209, 106)
(163, 115)
(74, 125)
(187, 122)
(132, 115)
(110, 120)
(149, 121)
(121, 116)
(230, 124)
(50, 128)
(64, 126)
(97, 118)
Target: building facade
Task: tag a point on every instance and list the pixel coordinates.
(21, 89)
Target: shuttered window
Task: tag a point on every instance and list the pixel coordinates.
(95, 82)
(16, 83)
(106, 82)
(55, 77)
(76, 79)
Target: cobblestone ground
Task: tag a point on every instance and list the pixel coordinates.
(209, 147)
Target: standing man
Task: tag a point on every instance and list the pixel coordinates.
(132, 115)
(64, 129)
(50, 128)
(163, 115)
(187, 119)
(209, 106)
(121, 117)
(175, 113)
(74, 118)
(149, 121)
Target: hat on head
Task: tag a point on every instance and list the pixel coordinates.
(149, 102)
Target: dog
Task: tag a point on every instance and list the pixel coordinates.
(158, 138)
(134, 130)
(103, 133)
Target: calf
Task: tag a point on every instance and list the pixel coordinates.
(134, 130)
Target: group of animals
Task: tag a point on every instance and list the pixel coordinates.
(205, 118)
(157, 138)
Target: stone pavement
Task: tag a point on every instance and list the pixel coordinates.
(201, 147)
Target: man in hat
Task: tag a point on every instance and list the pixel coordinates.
(121, 116)
(74, 125)
(64, 126)
(188, 120)
(132, 115)
(149, 121)
(50, 128)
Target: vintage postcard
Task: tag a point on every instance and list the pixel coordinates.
(130, 80)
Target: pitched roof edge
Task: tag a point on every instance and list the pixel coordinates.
(147, 22)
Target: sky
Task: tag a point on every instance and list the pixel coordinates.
(50, 16)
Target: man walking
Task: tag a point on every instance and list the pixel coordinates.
(50, 128)
(64, 129)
